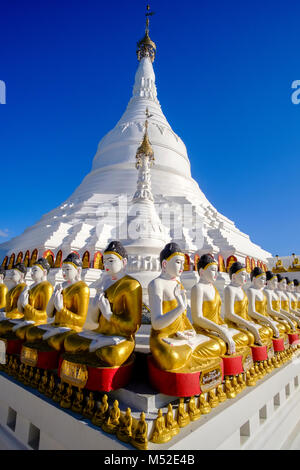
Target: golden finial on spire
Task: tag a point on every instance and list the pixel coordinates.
(145, 147)
(146, 47)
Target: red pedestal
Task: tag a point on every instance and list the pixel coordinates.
(293, 339)
(259, 353)
(101, 379)
(183, 384)
(14, 346)
(233, 365)
(278, 344)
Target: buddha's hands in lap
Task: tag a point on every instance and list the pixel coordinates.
(274, 328)
(104, 306)
(58, 298)
(225, 336)
(254, 329)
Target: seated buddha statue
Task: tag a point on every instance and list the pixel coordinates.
(174, 343)
(295, 264)
(285, 305)
(34, 300)
(297, 294)
(117, 308)
(290, 292)
(279, 268)
(237, 305)
(3, 290)
(274, 305)
(68, 305)
(12, 312)
(258, 303)
(206, 311)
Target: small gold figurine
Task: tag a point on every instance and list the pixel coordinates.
(212, 399)
(160, 434)
(21, 372)
(221, 394)
(241, 381)
(78, 401)
(88, 410)
(261, 368)
(182, 416)
(124, 432)
(250, 381)
(66, 401)
(112, 422)
(43, 383)
(58, 393)
(258, 371)
(102, 413)
(36, 378)
(9, 365)
(140, 439)
(204, 406)
(236, 386)
(230, 391)
(194, 412)
(171, 424)
(51, 386)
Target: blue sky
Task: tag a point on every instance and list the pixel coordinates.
(223, 71)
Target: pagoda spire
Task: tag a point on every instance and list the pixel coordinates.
(146, 47)
(144, 161)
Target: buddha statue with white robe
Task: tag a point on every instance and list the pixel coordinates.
(290, 292)
(12, 312)
(258, 304)
(285, 301)
(297, 294)
(274, 304)
(237, 306)
(174, 343)
(3, 290)
(68, 307)
(117, 308)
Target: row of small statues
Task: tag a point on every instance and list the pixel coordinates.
(40, 314)
(128, 429)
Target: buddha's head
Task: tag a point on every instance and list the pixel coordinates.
(172, 260)
(2, 274)
(104, 398)
(128, 411)
(142, 416)
(289, 285)
(238, 274)
(40, 270)
(281, 282)
(18, 273)
(208, 268)
(115, 258)
(258, 278)
(297, 286)
(116, 404)
(71, 268)
(272, 281)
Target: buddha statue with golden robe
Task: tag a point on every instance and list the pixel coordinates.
(290, 292)
(3, 290)
(258, 304)
(274, 304)
(206, 312)
(297, 294)
(117, 308)
(68, 306)
(175, 345)
(33, 300)
(237, 306)
(12, 312)
(285, 302)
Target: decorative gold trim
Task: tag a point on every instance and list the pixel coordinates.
(70, 262)
(210, 264)
(239, 270)
(177, 253)
(113, 253)
(259, 275)
(74, 374)
(29, 356)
